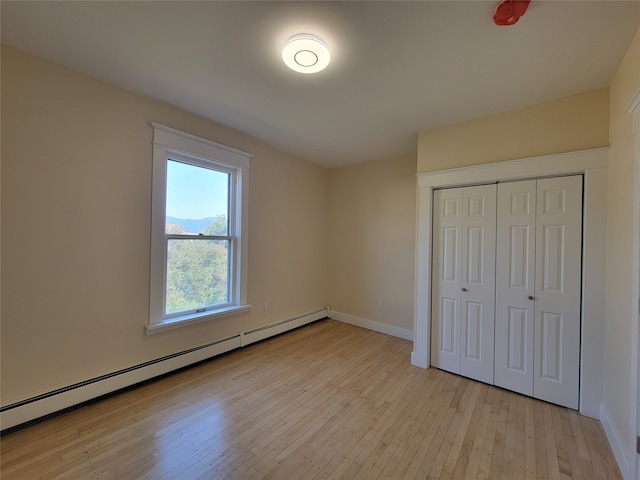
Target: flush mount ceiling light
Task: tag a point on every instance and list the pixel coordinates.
(306, 53)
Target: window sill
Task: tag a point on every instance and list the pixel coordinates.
(192, 319)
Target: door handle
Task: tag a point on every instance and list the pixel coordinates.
(464, 289)
(531, 297)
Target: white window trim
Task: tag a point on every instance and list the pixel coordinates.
(171, 143)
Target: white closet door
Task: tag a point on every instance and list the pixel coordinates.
(478, 283)
(515, 288)
(558, 286)
(445, 296)
(463, 281)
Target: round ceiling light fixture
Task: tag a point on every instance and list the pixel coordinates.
(306, 53)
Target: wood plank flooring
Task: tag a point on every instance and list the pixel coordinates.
(326, 401)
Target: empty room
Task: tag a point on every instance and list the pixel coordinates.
(320, 239)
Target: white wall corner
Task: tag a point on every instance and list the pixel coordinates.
(633, 108)
(625, 461)
(372, 325)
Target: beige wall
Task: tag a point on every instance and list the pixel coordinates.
(372, 211)
(579, 122)
(618, 368)
(76, 195)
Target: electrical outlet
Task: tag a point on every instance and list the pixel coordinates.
(381, 302)
(267, 305)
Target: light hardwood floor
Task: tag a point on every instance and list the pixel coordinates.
(325, 401)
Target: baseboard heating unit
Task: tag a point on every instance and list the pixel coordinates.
(31, 410)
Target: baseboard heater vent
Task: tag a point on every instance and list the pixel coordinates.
(31, 410)
(283, 326)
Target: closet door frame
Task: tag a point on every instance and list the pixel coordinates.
(590, 163)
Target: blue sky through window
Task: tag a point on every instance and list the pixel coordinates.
(195, 192)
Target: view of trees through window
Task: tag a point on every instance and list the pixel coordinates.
(197, 274)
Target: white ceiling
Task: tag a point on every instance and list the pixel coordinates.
(397, 68)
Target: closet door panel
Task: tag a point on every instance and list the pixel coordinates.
(514, 319)
(558, 290)
(478, 282)
(446, 290)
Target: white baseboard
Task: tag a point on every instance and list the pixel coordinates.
(371, 325)
(34, 408)
(625, 464)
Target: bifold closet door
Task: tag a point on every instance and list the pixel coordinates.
(538, 285)
(463, 299)
(556, 367)
(515, 275)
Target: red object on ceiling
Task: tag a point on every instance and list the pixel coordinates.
(510, 11)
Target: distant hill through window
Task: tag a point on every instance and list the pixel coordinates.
(191, 225)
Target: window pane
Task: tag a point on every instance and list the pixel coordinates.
(197, 200)
(197, 274)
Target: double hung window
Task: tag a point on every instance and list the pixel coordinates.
(198, 231)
